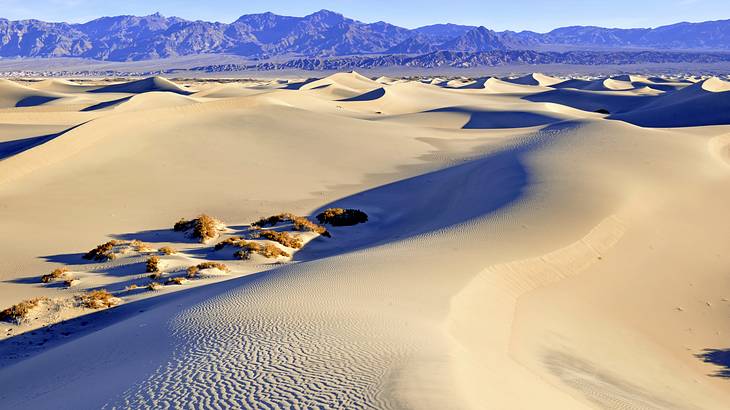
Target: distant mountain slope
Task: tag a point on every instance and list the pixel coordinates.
(478, 39)
(324, 33)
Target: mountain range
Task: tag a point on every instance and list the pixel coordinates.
(324, 33)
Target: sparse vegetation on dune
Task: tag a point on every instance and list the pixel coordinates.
(19, 313)
(69, 283)
(140, 246)
(57, 273)
(202, 228)
(247, 249)
(300, 223)
(342, 217)
(266, 250)
(167, 250)
(194, 271)
(153, 264)
(154, 286)
(232, 241)
(176, 281)
(111, 250)
(283, 238)
(103, 252)
(97, 299)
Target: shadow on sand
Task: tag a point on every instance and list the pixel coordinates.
(14, 147)
(718, 357)
(484, 119)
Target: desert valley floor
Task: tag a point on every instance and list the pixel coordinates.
(531, 243)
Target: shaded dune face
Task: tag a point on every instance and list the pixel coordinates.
(531, 242)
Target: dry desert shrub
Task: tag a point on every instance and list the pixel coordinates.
(19, 313)
(168, 250)
(55, 275)
(103, 252)
(300, 223)
(97, 299)
(176, 281)
(342, 217)
(154, 286)
(202, 228)
(153, 264)
(140, 246)
(283, 238)
(194, 271)
(232, 241)
(69, 283)
(267, 250)
(213, 265)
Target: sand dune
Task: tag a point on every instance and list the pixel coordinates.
(521, 251)
(704, 103)
(535, 79)
(144, 85)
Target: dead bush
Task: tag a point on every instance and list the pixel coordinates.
(194, 271)
(202, 228)
(140, 246)
(176, 281)
(153, 264)
(103, 252)
(267, 250)
(283, 238)
(97, 299)
(19, 313)
(69, 283)
(154, 286)
(168, 250)
(300, 223)
(57, 273)
(213, 265)
(342, 217)
(232, 241)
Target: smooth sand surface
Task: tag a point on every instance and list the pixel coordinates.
(532, 243)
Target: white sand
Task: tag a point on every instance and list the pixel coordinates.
(522, 252)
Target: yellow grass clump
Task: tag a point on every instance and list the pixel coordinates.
(97, 299)
(19, 313)
(342, 217)
(57, 273)
(202, 228)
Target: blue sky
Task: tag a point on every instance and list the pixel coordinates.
(498, 15)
